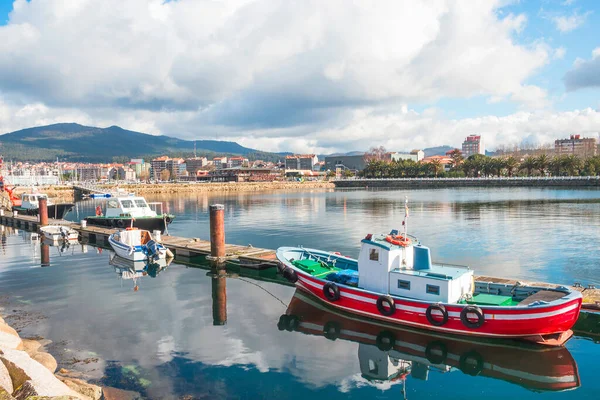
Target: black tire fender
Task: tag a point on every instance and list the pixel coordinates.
(384, 301)
(282, 323)
(432, 350)
(289, 274)
(292, 323)
(471, 363)
(331, 330)
(472, 310)
(385, 341)
(331, 291)
(120, 223)
(431, 319)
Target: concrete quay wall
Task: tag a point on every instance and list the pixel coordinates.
(428, 183)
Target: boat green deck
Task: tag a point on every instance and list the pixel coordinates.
(315, 268)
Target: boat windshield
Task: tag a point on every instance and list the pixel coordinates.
(140, 203)
(127, 203)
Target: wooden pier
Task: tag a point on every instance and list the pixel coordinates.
(248, 257)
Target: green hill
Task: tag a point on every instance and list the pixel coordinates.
(76, 142)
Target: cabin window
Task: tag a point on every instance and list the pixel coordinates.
(432, 289)
(140, 203)
(127, 204)
(25, 198)
(403, 284)
(113, 204)
(374, 255)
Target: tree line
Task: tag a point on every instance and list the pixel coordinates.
(479, 165)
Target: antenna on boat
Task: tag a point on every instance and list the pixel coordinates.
(405, 225)
(405, 221)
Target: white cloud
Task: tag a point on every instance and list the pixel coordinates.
(272, 74)
(566, 23)
(585, 73)
(189, 55)
(559, 53)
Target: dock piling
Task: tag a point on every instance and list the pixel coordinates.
(43, 211)
(217, 230)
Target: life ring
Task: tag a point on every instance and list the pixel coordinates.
(436, 352)
(472, 310)
(120, 223)
(290, 275)
(331, 330)
(471, 363)
(398, 240)
(386, 305)
(385, 341)
(331, 291)
(440, 308)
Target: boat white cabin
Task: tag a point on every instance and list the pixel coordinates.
(407, 271)
(129, 206)
(31, 201)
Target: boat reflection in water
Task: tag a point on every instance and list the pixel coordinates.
(134, 270)
(391, 353)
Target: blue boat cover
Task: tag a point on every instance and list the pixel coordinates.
(345, 277)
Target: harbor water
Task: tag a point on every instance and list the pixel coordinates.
(182, 332)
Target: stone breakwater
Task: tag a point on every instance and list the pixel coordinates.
(433, 183)
(66, 193)
(143, 189)
(28, 372)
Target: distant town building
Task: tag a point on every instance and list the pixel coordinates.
(220, 162)
(176, 168)
(473, 144)
(445, 161)
(245, 174)
(415, 155)
(237, 162)
(576, 145)
(158, 165)
(354, 163)
(89, 173)
(140, 167)
(301, 162)
(193, 165)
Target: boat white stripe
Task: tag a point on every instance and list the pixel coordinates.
(453, 314)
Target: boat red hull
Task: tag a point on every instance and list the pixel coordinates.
(534, 367)
(531, 323)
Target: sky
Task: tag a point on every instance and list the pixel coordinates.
(312, 76)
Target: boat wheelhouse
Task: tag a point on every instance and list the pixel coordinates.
(394, 279)
(131, 211)
(30, 205)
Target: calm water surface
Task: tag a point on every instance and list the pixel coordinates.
(161, 339)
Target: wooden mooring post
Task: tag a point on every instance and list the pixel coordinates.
(219, 273)
(43, 211)
(45, 255)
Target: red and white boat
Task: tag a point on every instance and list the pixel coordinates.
(389, 352)
(395, 280)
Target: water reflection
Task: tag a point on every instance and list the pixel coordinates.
(388, 354)
(134, 270)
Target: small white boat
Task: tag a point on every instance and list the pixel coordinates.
(58, 233)
(137, 245)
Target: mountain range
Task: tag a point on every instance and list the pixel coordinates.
(74, 142)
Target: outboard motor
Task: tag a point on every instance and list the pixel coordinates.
(153, 250)
(63, 232)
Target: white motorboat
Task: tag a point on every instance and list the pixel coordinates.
(137, 245)
(56, 233)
